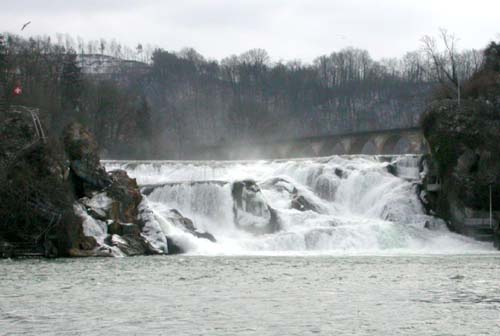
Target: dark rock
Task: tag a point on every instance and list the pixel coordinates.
(130, 230)
(40, 200)
(87, 243)
(82, 150)
(179, 220)
(187, 225)
(339, 172)
(299, 202)
(132, 245)
(6, 249)
(465, 146)
(37, 202)
(126, 197)
(392, 169)
(116, 228)
(205, 235)
(173, 247)
(251, 212)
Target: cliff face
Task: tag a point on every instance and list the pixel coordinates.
(465, 145)
(35, 196)
(464, 139)
(46, 194)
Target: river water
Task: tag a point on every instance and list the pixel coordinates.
(196, 295)
(361, 258)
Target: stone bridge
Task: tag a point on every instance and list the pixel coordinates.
(381, 142)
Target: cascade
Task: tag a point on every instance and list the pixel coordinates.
(334, 205)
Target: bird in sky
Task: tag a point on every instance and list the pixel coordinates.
(25, 25)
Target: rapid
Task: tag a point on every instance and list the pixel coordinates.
(339, 205)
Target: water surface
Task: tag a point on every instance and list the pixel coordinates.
(252, 295)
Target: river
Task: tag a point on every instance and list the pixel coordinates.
(356, 255)
(252, 295)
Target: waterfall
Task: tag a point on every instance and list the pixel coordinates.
(335, 205)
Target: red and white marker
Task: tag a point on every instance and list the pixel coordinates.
(18, 91)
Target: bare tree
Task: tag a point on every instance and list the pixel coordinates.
(444, 59)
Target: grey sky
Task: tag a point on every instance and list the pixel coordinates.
(287, 29)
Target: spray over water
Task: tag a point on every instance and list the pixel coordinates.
(334, 205)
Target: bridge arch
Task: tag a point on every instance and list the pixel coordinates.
(369, 148)
(396, 144)
(364, 145)
(299, 150)
(333, 148)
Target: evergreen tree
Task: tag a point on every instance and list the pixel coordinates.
(71, 87)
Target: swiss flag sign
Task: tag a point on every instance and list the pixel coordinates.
(18, 90)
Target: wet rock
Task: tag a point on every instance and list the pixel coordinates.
(251, 212)
(132, 245)
(299, 202)
(98, 206)
(187, 225)
(392, 169)
(340, 173)
(173, 247)
(151, 229)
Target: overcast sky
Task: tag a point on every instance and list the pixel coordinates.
(287, 29)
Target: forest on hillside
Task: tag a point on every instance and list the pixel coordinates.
(154, 103)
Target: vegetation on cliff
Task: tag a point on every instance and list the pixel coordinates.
(464, 138)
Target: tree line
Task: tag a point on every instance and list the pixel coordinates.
(185, 101)
(51, 79)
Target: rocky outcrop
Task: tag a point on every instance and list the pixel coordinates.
(112, 198)
(61, 199)
(36, 199)
(465, 146)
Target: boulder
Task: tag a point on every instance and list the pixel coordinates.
(297, 200)
(131, 245)
(175, 217)
(251, 212)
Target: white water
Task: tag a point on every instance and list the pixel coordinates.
(360, 207)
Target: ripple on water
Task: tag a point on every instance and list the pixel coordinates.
(410, 295)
